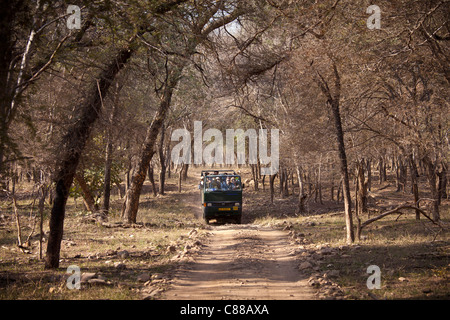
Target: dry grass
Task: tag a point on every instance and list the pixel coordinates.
(162, 222)
(413, 256)
(414, 251)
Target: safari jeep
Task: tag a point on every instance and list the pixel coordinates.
(221, 192)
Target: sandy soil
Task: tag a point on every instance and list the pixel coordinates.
(241, 262)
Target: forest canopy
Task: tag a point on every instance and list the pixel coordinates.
(89, 99)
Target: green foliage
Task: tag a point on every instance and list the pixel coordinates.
(95, 179)
(93, 169)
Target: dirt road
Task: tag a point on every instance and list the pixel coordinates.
(242, 262)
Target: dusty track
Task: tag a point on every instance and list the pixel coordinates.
(241, 262)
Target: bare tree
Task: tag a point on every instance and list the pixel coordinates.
(72, 147)
(205, 22)
(333, 99)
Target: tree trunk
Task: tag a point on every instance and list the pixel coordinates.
(109, 150)
(369, 174)
(282, 178)
(87, 195)
(339, 192)
(185, 171)
(3, 140)
(344, 171)
(18, 226)
(254, 168)
(8, 83)
(134, 192)
(107, 178)
(8, 18)
(430, 168)
(180, 175)
(414, 185)
(361, 195)
(286, 184)
(333, 102)
(382, 170)
(43, 190)
(169, 166)
(442, 182)
(127, 176)
(301, 194)
(401, 174)
(362, 188)
(119, 189)
(319, 181)
(73, 144)
(272, 189)
(152, 180)
(162, 161)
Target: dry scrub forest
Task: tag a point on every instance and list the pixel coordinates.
(94, 203)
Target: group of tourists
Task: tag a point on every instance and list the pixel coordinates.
(222, 182)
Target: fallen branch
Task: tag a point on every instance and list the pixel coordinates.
(396, 210)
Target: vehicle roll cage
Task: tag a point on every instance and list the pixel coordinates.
(211, 172)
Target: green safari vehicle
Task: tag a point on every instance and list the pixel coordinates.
(221, 192)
